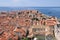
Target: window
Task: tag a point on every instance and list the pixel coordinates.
(10, 39)
(36, 29)
(52, 27)
(44, 23)
(58, 25)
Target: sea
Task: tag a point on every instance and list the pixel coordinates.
(50, 11)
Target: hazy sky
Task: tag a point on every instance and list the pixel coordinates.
(30, 3)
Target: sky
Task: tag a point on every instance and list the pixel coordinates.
(29, 3)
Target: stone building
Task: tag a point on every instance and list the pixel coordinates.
(16, 23)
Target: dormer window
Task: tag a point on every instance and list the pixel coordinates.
(11, 17)
(31, 11)
(43, 18)
(19, 13)
(3, 13)
(34, 15)
(28, 12)
(27, 20)
(37, 11)
(30, 15)
(18, 27)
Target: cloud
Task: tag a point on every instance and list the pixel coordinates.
(15, 0)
